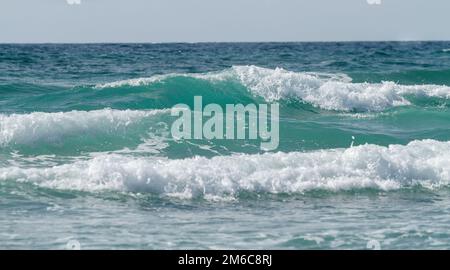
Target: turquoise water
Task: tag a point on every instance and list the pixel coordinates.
(86, 152)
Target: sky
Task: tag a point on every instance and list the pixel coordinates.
(84, 21)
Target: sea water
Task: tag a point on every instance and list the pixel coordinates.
(87, 156)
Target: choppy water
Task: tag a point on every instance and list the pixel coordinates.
(86, 152)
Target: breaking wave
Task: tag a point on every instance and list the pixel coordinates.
(423, 163)
(326, 91)
(48, 127)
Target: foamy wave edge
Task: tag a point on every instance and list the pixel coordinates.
(423, 163)
(326, 91)
(42, 126)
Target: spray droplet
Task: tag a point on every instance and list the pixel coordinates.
(373, 245)
(73, 245)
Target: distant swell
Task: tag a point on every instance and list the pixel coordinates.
(420, 163)
(326, 91)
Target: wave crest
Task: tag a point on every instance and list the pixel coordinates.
(420, 163)
(326, 91)
(41, 126)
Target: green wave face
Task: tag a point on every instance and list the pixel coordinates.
(86, 150)
(374, 94)
(317, 111)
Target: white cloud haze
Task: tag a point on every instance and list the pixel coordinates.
(74, 2)
(222, 20)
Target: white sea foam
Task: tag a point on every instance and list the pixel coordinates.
(327, 91)
(40, 126)
(424, 163)
(134, 82)
(331, 93)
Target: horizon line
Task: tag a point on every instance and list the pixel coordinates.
(223, 42)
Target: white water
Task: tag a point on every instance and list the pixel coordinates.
(40, 126)
(327, 91)
(420, 163)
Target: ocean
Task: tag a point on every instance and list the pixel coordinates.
(87, 159)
